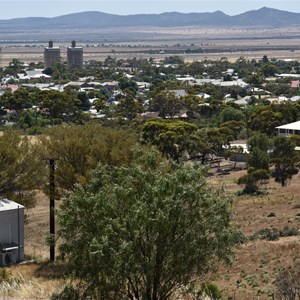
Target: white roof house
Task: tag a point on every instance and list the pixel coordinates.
(238, 82)
(289, 129)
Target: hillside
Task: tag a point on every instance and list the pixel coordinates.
(256, 263)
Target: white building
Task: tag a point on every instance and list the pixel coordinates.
(11, 232)
(289, 129)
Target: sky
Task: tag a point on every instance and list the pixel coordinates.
(51, 8)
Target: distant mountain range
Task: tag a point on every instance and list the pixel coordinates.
(264, 17)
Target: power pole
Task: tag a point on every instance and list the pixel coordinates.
(52, 205)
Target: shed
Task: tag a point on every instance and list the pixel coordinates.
(11, 232)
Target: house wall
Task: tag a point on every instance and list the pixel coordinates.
(288, 132)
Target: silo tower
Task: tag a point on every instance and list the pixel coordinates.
(75, 56)
(51, 55)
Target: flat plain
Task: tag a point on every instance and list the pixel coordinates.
(146, 42)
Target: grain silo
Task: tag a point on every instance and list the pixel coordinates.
(75, 56)
(51, 55)
(11, 232)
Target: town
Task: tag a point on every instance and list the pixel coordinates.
(168, 177)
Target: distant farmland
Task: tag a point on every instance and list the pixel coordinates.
(192, 43)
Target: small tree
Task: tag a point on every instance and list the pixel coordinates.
(257, 163)
(144, 232)
(284, 159)
(254, 180)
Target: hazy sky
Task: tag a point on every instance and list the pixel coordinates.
(50, 8)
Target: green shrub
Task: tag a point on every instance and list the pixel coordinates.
(68, 293)
(272, 234)
(212, 290)
(5, 276)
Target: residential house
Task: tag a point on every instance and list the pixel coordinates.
(289, 129)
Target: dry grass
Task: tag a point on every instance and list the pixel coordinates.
(258, 262)
(26, 281)
(251, 274)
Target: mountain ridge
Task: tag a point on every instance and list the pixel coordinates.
(263, 17)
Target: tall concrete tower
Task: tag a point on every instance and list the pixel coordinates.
(75, 56)
(51, 55)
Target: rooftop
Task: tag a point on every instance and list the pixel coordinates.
(6, 204)
(292, 126)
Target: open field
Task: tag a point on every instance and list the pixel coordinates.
(146, 42)
(256, 263)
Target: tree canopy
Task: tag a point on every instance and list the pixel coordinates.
(173, 138)
(145, 231)
(21, 168)
(80, 148)
(285, 160)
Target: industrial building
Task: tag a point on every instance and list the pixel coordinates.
(11, 232)
(74, 56)
(51, 55)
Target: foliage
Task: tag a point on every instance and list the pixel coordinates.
(167, 104)
(16, 101)
(14, 67)
(284, 159)
(235, 126)
(230, 114)
(5, 275)
(211, 141)
(295, 139)
(173, 138)
(128, 85)
(80, 148)
(254, 180)
(68, 293)
(58, 105)
(212, 291)
(265, 118)
(145, 231)
(129, 107)
(21, 168)
(272, 234)
(258, 159)
(259, 141)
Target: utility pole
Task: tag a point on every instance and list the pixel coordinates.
(52, 205)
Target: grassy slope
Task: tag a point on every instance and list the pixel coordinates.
(256, 263)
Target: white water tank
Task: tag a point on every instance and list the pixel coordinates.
(11, 232)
